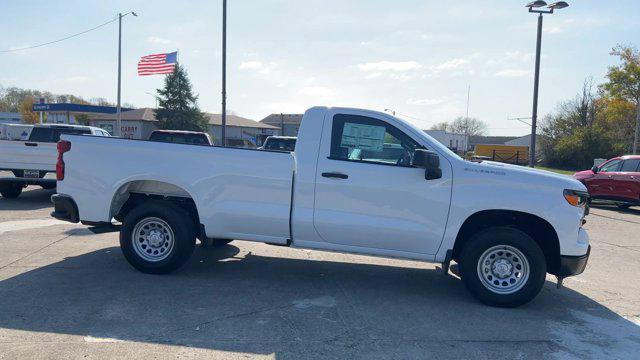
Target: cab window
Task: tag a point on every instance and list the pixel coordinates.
(364, 139)
(611, 166)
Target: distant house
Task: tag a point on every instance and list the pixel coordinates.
(139, 123)
(289, 124)
(488, 140)
(455, 142)
(10, 118)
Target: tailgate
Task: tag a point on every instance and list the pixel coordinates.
(19, 155)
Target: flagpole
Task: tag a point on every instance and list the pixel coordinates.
(224, 72)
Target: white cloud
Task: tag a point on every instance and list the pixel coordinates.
(552, 30)
(425, 102)
(373, 75)
(512, 73)
(250, 65)
(451, 64)
(397, 66)
(158, 40)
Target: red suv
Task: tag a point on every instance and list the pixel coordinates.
(617, 179)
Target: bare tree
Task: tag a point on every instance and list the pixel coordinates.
(467, 126)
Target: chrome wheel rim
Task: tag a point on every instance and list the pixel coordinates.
(152, 239)
(503, 269)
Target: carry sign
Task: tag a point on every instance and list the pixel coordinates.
(364, 137)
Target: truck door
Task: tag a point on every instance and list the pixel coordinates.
(602, 183)
(368, 196)
(627, 181)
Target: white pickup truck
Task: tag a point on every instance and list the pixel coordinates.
(29, 162)
(358, 181)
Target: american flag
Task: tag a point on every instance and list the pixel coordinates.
(157, 64)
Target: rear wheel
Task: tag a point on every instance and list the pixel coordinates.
(503, 267)
(157, 237)
(48, 186)
(10, 190)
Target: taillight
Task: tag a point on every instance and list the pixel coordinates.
(63, 147)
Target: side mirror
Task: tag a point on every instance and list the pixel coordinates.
(595, 169)
(428, 160)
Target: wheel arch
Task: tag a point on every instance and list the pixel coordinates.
(538, 228)
(134, 192)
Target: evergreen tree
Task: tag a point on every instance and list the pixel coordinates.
(177, 105)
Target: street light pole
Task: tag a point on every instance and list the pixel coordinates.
(224, 72)
(536, 80)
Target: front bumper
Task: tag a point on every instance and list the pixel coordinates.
(64, 208)
(573, 265)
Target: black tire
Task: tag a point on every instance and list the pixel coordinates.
(220, 242)
(10, 191)
(48, 186)
(508, 237)
(623, 206)
(180, 224)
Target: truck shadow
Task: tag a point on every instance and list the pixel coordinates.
(635, 210)
(32, 198)
(297, 308)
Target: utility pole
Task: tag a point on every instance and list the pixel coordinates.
(468, 96)
(118, 131)
(282, 124)
(224, 72)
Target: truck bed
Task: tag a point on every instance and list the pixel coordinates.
(239, 193)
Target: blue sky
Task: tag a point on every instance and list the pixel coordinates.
(416, 57)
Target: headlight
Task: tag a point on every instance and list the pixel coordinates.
(576, 197)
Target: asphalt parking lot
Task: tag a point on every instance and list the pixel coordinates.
(68, 293)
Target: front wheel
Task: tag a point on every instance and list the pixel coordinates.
(10, 190)
(157, 237)
(503, 267)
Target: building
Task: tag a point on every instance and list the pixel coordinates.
(10, 118)
(488, 140)
(288, 124)
(455, 142)
(139, 123)
(136, 124)
(67, 113)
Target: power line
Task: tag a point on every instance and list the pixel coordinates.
(59, 40)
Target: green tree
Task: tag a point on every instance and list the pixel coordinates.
(177, 105)
(624, 82)
(579, 131)
(28, 116)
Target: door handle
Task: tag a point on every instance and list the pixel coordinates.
(335, 175)
(30, 144)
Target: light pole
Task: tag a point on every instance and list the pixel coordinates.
(118, 131)
(534, 8)
(154, 97)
